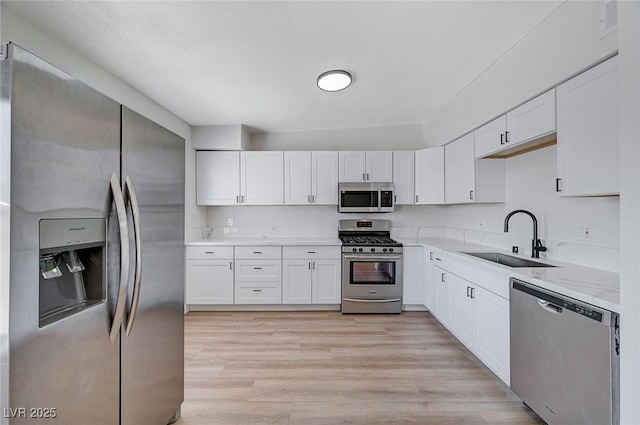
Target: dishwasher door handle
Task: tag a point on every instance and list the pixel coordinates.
(549, 306)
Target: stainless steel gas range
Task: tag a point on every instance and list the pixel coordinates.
(371, 267)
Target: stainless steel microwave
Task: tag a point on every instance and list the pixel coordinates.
(365, 197)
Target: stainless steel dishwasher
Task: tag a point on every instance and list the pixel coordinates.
(565, 357)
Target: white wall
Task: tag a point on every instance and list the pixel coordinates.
(629, 30)
(530, 185)
(564, 44)
(398, 137)
(15, 29)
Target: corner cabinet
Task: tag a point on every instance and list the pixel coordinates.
(239, 178)
(468, 180)
(429, 176)
(370, 166)
(404, 177)
(588, 133)
(311, 178)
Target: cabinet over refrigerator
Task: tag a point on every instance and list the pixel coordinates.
(91, 255)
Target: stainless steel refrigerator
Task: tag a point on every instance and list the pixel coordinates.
(91, 255)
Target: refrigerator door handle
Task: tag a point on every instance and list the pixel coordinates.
(135, 210)
(121, 213)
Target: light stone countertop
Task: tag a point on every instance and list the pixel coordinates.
(597, 287)
(267, 241)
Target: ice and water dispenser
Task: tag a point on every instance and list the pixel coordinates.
(73, 255)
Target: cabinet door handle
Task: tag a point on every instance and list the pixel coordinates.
(416, 198)
(309, 265)
(311, 252)
(471, 195)
(257, 268)
(237, 199)
(468, 291)
(506, 137)
(501, 138)
(313, 199)
(309, 198)
(209, 252)
(314, 265)
(230, 265)
(257, 290)
(431, 256)
(473, 292)
(364, 177)
(242, 199)
(442, 277)
(558, 180)
(257, 252)
(367, 176)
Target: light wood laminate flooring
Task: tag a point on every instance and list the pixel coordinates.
(326, 368)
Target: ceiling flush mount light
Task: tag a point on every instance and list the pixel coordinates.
(335, 80)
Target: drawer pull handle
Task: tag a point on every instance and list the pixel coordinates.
(257, 252)
(257, 268)
(257, 290)
(209, 252)
(311, 252)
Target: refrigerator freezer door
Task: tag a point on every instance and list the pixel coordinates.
(65, 140)
(153, 350)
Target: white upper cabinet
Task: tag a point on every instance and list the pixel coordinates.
(468, 180)
(262, 178)
(588, 133)
(239, 178)
(297, 178)
(311, 178)
(217, 178)
(429, 176)
(371, 166)
(531, 121)
(460, 171)
(324, 178)
(404, 177)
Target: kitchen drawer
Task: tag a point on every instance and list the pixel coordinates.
(258, 252)
(258, 293)
(258, 270)
(211, 252)
(311, 252)
(489, 277)
(439, 258)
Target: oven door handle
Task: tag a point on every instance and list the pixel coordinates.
(365, 257)
(391, 300)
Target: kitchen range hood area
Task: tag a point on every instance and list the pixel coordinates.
(238, 231)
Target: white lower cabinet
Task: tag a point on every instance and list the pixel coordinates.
(209, 275)
(311, 275)
(413, 275)
(480, 320)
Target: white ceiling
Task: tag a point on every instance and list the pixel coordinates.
(256, 63)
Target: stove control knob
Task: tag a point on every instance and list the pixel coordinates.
(384, 250)
(390, 249)
(373, 250)
(360, 249)
(354, 250)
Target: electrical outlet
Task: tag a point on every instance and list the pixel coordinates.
(585, 232)
(230, 222)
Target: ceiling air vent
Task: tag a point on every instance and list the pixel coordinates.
(608, 17)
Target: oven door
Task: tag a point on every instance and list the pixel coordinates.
(371, 276)
(359, 200)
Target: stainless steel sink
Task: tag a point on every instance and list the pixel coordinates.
(507, 260)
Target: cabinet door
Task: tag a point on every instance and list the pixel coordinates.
(352, 166)
(324, 181)
(441, 295)
(531, 120)
(326, 281)
(209, 281)
(460, 171)
(492, 332)
(404, 177)
(217, 178)
(413, 275)
(296, 281)
(461, 309)
(490, 137)
(430, 176)
(588, 132)
(262, 181)
(430, 276)
(379, 167)
(297, 178)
